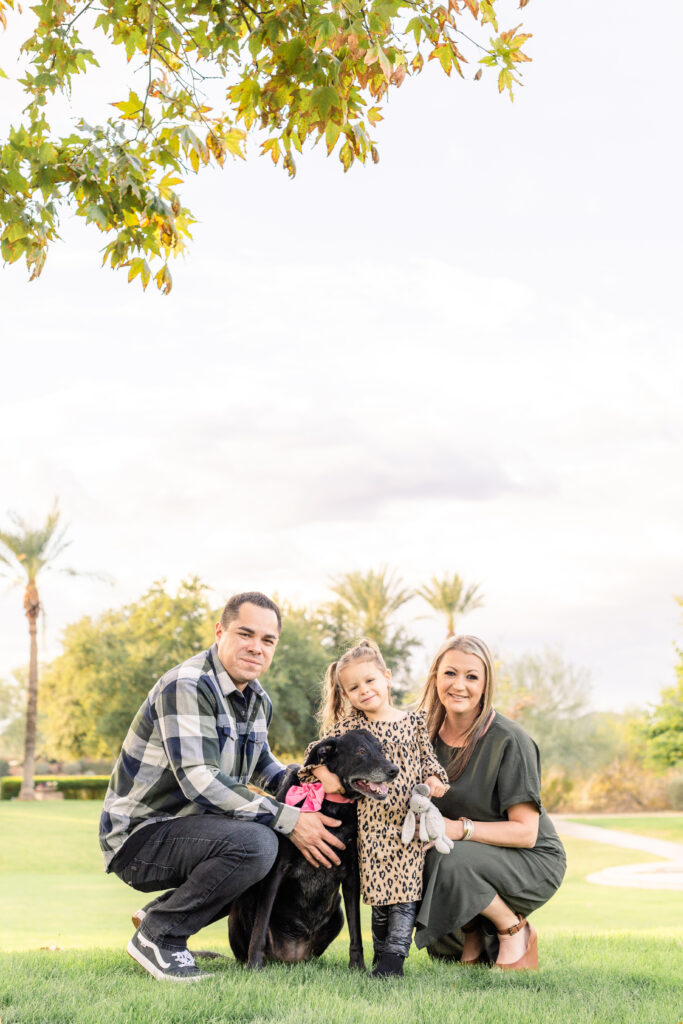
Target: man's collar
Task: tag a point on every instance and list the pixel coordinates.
(225, 682)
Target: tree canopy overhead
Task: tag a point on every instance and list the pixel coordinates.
(295, 71)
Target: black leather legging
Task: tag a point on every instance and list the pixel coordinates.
(392, 928)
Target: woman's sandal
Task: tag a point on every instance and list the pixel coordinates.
(482, 958)
(529, 959)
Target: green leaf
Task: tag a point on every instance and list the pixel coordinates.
(94, 213)
(324, 98)
(16, 181)
(15, 231)
(47, 153)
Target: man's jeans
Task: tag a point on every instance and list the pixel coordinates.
(205, 861)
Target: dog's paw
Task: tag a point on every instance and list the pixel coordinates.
(357, 963)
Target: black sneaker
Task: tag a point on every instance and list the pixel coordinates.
(163, 963)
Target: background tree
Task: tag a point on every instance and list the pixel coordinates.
(294, 682)
(450, 597)
(28, 553)
(295, 71)
(550, 698)
(366, 605)
(13, 690)
(109, 663)
(664, 731)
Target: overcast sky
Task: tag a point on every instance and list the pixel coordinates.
(467, 358)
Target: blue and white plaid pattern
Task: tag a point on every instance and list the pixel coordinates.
(189, 751)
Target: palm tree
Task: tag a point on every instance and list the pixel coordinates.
(365, 605)
(450, 597)
(30, 552)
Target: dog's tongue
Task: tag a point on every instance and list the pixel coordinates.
(377, 787)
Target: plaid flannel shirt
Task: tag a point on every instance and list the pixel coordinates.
(191, 748)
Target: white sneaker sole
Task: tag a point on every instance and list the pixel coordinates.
(135, 953)
(137, 918)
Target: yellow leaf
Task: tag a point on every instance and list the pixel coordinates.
(135, 268)
(234, 140)
(166, 184)
(346, 156)
(331, 135)
(384, 63)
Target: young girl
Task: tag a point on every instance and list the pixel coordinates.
(391, 873)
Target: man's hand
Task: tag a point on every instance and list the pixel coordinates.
(315, 842)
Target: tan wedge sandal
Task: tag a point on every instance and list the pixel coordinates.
(529, 959)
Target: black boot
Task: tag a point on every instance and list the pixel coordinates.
(380, 927)
(389, 965)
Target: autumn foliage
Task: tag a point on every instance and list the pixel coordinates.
(292, 71)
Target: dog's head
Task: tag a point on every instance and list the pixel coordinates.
(358, 759)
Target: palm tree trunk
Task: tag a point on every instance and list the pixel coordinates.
(32, 609)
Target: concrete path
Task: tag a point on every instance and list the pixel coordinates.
(662, 874)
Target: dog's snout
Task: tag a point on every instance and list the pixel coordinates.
(392, 771)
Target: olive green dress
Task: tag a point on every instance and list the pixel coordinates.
(504, 770)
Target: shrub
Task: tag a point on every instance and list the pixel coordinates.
(675, 791)
(556, 792)
(4, 767)
(622, 788)
(74, 787)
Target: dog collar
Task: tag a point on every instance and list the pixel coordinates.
(337, 798)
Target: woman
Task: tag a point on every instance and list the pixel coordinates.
(507, 859)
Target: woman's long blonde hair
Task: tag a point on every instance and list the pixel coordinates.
(334, 706)
(436, 712)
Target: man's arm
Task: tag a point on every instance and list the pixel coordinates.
(185, 717)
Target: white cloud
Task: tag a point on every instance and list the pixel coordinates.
(466, 358)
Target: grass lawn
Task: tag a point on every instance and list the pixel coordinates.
(607, 955)
(668, 827)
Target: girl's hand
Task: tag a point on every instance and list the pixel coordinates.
(331, 782)
(436, 786)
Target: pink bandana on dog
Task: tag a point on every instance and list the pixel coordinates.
(312, 794)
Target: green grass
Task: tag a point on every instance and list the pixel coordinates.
(607, 980)
(608, 956)
(656, 827)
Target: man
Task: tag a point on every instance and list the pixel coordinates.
(178, 814)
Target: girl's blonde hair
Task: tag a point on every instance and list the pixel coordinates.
(436, 712)
(334, 705)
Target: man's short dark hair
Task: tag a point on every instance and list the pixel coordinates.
(232, 608)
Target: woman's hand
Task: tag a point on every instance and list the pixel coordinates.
(331, 782)
(436, 786)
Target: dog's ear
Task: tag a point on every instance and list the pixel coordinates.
(322, 752)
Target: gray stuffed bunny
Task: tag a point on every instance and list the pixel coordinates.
(432, 825)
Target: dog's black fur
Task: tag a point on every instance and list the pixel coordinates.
(295, 912)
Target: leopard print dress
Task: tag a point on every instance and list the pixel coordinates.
(389, 871)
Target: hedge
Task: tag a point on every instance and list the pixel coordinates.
(74, 787)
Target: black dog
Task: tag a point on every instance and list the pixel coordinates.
(295, 912)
